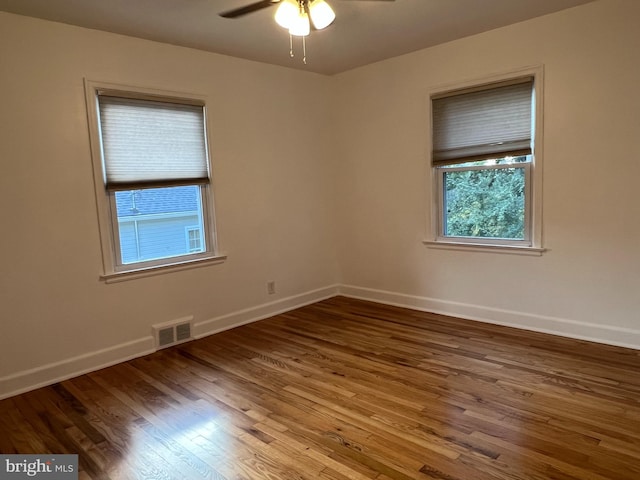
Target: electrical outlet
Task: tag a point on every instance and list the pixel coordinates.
(271, 287)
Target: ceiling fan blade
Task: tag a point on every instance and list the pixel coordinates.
(252, 7)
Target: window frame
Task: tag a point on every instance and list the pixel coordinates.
(113, 267)
(526, 241)
(532, 244)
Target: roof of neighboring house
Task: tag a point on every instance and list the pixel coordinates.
(155, 201)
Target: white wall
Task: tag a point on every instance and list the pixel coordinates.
(344, 201)
(272, 180)
(587, 284)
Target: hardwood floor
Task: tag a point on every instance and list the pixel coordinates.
(346, 389)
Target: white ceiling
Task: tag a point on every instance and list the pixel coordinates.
(365, 31)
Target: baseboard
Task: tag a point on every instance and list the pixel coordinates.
(249, 315)
(56, 372)
(72, 367)
(610, 335)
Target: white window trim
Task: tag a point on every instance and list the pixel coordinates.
(112, 269)
(534, 201)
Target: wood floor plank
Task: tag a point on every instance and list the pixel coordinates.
(347, 389)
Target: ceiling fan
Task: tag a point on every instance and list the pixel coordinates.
(254, 7)
(297, 16)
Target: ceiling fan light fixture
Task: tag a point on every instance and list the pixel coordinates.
(321, 13)
(300, 27)
(286, 13)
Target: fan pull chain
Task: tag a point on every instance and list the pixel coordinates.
(304, 48)
(304, 51)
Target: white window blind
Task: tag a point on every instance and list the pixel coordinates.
(487, 123)
(152, 143)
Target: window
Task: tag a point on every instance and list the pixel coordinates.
(151, 169)
(485, 171)
(194, 239)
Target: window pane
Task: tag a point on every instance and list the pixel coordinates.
(152, 222)
(485, 203)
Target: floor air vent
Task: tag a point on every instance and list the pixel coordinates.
(172, 333)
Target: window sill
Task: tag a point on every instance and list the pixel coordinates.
(481, 247)
(113, 277)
